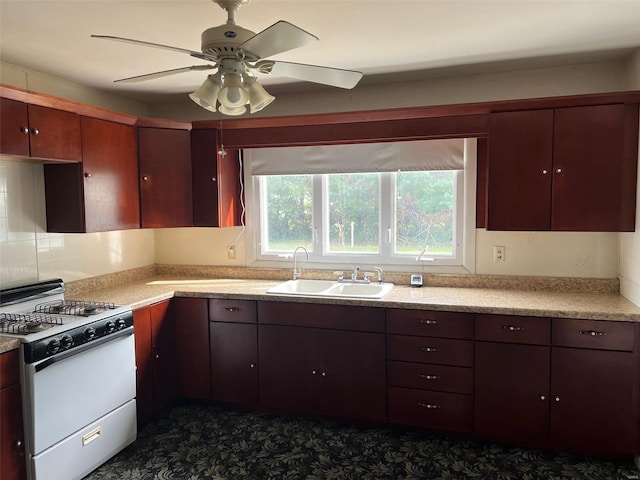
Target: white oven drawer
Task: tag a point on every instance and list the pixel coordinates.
(81, 453)
(69, 394)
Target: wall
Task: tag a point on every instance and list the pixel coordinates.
(528, 253)
(630, 242)
(29, 253)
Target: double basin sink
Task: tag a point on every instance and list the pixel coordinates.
(328, 288)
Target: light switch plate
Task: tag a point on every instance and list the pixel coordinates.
(416, 280)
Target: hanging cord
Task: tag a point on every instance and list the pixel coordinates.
(222, 153)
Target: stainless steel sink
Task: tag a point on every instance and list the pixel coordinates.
(328, 288)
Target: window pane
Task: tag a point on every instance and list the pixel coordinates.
(288, 213)
(424, 212)
(354, 212)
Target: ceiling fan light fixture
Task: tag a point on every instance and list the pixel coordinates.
(259, 98)
(233, 93)
(233, 111)
(207, 95)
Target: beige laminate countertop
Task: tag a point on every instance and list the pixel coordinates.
(597, 306)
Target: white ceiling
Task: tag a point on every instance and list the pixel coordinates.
(410, 38)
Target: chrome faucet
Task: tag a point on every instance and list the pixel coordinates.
(296, 271)
(354, 275)
(379, 270)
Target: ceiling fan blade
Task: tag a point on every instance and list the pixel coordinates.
(193, 53)
(163, 73)
(335, 77)
(280, 37)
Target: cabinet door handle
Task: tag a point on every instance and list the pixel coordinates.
(542, 397)
(429, 406)
(87, 175)
(557, 399)
(35, 131)
(545, 171)
(145, 178)
(558, 170)
(428, 377)
(428, 349)
(232, 309)
(313, 372)
(214, 179)
(425, 321)
(592, 333)
(24, 130)
(512, 328)
(252, 365)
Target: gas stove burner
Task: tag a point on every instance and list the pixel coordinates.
(74, 307)
(25, 323)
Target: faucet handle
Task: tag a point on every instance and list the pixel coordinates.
(340, 276)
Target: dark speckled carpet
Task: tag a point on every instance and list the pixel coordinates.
(208, 442)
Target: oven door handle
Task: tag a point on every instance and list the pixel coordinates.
(83, 348)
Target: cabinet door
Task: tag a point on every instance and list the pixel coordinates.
(101, 193)
(163, 349)
(588, 163)
(592, 401)
(165, 178)
(512, 392)
(144, 363)
(519, 170)
(192, 346)
(54, 134)
(234, 362)
(352, 374)
(12, 458)
(289, 368)
(216, 182)
(110, 164)
(14, 127)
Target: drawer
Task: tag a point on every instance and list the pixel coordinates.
(430, 377)
(597, 334)
(442, 351)
(236, 311)
(438, 410)
(316, 315)
(513, 329)
(430, 323)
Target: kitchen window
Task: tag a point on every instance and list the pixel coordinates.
(389, 204)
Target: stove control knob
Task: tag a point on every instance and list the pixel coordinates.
(90, 333)
(53, 346)
(66, 342)
(109, 327)
(120, 324)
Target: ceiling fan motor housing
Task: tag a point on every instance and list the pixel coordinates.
(223, 41)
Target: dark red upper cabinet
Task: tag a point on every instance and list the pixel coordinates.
(39, 132)
(519, 170)
(216, 182)
(165, 177)
(568, 169)
(101, 193)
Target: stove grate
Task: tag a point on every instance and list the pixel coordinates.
(24, 323)
(74, 307)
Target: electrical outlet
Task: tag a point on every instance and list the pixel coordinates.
(499, 254)
(231, 252)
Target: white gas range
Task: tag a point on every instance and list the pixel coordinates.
(77, 376)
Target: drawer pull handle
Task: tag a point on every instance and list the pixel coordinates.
(429, 406)
(512, 328)
(428, 377)
(91, 436)
(427, 322)
(232, 309)
(428, 349)
(592, 333)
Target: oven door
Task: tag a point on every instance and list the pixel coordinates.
(65, 393)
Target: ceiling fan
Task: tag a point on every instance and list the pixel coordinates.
(238, 54)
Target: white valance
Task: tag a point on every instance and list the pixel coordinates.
(365, 157)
